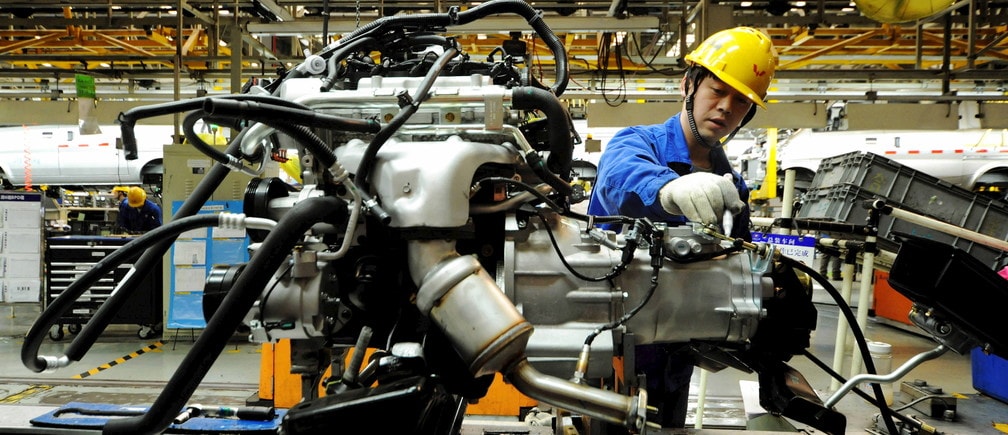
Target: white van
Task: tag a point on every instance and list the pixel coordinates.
(974, 159)
(60, 155)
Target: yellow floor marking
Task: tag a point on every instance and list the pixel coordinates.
(149, 348)
(17, 397)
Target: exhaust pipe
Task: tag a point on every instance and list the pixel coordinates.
(490, 334)
(603, 404)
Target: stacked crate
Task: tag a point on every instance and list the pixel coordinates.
(843, 183)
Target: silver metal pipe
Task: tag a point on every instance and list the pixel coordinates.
(888, 379)
(629, 411)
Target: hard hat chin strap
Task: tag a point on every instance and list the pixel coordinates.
(692, 124)
(694, 75)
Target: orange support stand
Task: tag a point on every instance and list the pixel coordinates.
(889, 303)
(276, 383)
(502, 400)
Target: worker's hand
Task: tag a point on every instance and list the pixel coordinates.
(701, 197)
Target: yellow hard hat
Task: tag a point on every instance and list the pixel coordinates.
(742, 57)
(122, 189)
(136, 196)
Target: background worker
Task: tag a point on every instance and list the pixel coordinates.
(678, 171)
(138, 214)
(119, 194)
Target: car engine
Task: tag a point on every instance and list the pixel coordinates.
(433, 222)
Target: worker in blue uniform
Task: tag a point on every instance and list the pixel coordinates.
(678, 171)
(137, 214)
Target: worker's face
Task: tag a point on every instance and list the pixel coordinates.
(717, 108)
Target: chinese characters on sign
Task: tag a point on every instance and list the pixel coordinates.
(801, 248)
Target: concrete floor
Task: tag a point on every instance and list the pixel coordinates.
(235, 376)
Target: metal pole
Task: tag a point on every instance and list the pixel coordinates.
(864, 298)
(840, 343)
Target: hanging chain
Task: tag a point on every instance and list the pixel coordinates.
(357, 16)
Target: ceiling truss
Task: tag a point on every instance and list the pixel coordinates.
(125, 42)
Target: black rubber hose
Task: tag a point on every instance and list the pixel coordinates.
(455, 17)
(341, 53)
(192, 137)
(188, 128)
(236, 304)
(127, 120)
(305, 136)
(59, 306)
(534, 19)
(298, 132)
(560, 142)
(150, 259)
(396, 22)
(263, 112)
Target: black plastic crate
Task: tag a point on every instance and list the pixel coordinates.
(845, 203)
(913, 190)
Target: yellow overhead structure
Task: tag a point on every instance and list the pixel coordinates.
(768, 188)
(900, 11)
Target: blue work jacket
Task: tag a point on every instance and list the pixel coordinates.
(136, 220)
(638, 161)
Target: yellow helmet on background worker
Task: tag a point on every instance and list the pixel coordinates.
(741, 57)
(122, 189)
(136, 196)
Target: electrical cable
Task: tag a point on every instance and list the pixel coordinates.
(263, 303)
(650, 62)
(603, 55)
(410, 107)
(617, 270)
(629, 315)
(859, 337)
(554, 206)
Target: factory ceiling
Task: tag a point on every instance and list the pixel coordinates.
(140, 49)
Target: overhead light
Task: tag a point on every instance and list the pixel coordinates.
(47, 65)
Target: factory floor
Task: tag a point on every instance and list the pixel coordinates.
(125, 369)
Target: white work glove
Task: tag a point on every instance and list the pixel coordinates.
(701, 197)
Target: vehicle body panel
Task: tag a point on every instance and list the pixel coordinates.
(60, 155)
(960, 157)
